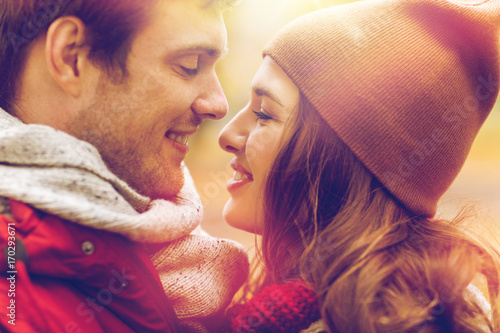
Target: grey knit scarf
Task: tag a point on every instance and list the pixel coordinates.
(64, 176)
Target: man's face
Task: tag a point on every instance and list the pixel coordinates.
(141, 126)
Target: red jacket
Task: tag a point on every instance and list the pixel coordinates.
(70, 278)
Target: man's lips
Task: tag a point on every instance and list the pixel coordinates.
(181, 137)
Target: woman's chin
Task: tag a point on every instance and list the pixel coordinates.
(239, 217)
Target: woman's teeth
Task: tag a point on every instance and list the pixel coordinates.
(238, 176)
(182, 139)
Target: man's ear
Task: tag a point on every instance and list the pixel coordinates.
(66, 54)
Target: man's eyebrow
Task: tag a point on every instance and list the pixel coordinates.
(211, 51)
(261, 91)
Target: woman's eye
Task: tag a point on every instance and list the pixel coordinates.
(261, 115)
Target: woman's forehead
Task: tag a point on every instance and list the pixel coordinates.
(272, 82)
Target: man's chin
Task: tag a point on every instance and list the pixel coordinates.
(170, 191)
(154, 185)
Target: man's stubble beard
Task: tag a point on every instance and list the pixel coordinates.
(97, 125)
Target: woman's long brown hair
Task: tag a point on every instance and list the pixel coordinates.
(375, 266)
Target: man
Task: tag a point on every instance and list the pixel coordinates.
(99, 99)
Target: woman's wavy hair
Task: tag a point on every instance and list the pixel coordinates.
(375, 266)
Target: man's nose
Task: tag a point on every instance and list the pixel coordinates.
(211, 103)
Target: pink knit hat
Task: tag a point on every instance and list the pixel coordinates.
(406, 84)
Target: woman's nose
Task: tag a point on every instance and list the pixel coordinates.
(233, 136)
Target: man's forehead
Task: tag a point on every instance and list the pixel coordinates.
(202, 4)
(182, 26)
(209, 3)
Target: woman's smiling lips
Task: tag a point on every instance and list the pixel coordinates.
(241, 177)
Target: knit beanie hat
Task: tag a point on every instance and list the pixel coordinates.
(405, 84)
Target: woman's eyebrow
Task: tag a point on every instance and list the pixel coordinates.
(261, 91)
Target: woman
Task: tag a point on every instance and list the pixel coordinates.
(360, 118)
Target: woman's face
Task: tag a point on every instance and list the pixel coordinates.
(253, 136)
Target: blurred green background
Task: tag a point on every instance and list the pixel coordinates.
(250, 25)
